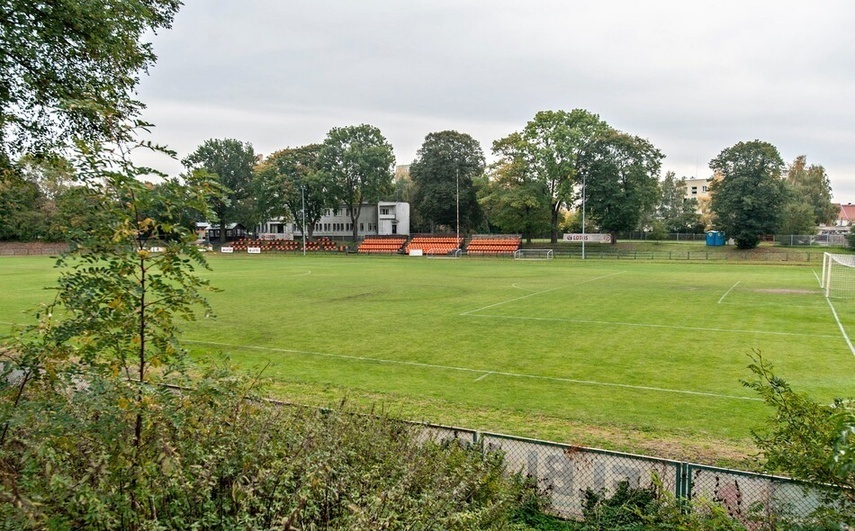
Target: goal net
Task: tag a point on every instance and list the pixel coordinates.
(838, 275)
(533, 254)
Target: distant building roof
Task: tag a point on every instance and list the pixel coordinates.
(847, 213)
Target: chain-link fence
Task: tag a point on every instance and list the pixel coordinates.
(567, 472)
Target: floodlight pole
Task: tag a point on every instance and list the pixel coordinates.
(584, 193)
(457, 171)
(303, 197)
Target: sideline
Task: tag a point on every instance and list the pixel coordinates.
(482, 372)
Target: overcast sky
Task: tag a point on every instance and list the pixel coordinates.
(692, 77)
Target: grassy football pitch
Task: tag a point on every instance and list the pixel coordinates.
(594, 352)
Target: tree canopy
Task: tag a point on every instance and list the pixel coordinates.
(230, 162)
(749, 198)
(290, 178)
(677, 213)
(69, 69)
(811, 186)
(445, 168)
(359, 163)
(549, 148)
(621, 180)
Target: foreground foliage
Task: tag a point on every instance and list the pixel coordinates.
(211, 459)
(808, 441)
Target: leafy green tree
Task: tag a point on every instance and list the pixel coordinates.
(749, 199)
(811, 186)
(22, 212)
(513, 199)
(359, 163)
(69, 69)
(231, 163)
(621, 180)
(549, 148)
(677, 213)
(806, 440)
(444, 171)
(289, 178)
(797, 218)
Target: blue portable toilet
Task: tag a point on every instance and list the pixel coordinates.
(715, 238)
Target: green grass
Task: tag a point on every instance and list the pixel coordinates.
(635, 356)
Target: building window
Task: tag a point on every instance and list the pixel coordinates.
(704, 188)
(694, 190)
(362, 227)
(384, 211)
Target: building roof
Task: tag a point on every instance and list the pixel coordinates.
(847, 213)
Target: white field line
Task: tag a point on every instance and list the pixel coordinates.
(486, 374)
(478, 371)
(728, 291)
(646, 325)
(840, 325)
(818, 280)
(469, 312)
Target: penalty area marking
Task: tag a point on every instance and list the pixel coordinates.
(728, 291)
(483, 372)
(470, 312)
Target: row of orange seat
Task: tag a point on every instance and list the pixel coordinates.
(434, 245)
(488, 246)
(381, 245)
(321, 244)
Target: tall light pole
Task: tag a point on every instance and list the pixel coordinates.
(303, 197)
(584, 193)
(457, 172)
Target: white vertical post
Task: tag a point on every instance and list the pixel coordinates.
(584, 192)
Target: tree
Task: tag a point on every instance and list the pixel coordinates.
(231, 163)
(812, 187)
(444, 171)
(677, 213)
(513, 199)
(514, 204)
(359, 163)
(22, 213)
(797, 218)
(806, 440)
(549, 148)
(288, 179)
(621, 182)
(69, 69)
(750, 197)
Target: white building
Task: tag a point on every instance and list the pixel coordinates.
(383, 219)
(697, 188)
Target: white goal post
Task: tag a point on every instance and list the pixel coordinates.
(838, 275)
(533, 254)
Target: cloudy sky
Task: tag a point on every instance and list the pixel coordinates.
(693, 77)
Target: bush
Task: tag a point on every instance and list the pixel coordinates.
(212, 459)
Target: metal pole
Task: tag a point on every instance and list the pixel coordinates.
(457, 170)
(303, 197)
(584, 192)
